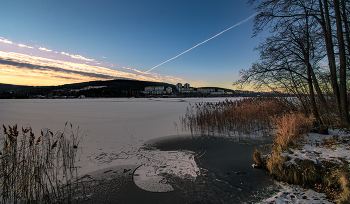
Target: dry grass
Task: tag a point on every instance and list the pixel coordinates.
(246, 116)
(290, 129)
(37, 169)
(334, 180)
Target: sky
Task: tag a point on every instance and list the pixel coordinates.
(175, 41)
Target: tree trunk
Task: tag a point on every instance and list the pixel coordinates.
(309, 77)
(319, 92)
(327, 31)
(342, 65)
(346, 26)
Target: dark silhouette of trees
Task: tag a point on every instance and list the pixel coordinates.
(304, 33)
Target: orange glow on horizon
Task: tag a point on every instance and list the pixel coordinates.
(22, 69)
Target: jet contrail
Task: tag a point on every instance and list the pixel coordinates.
(245, 20)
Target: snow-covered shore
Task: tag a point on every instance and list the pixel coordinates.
(334, 148)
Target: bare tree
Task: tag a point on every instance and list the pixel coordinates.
(304, 34)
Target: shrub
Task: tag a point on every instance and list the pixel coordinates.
(289, 130)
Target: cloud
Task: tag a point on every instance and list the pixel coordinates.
(50, 68)
(26, 65)
(44, 49)
(77, 57)
(5, 41)
(12, 43)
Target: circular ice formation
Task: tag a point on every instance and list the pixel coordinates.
(179, 163)
(146, 179)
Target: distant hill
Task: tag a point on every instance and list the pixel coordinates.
(117, 83)
(114, 88)
(10, 87)
(110, 88)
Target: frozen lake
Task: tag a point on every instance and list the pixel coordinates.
(112, 125)
(117, 128)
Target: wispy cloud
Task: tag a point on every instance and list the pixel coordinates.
(28, 65)
(3, 40)
(16, 64)
(77, 57)
(44, 49)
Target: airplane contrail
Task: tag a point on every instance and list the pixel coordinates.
(241, 22)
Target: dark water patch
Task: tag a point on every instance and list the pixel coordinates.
(115, 185)
(227, 175)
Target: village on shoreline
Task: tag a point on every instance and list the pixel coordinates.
(123, 89)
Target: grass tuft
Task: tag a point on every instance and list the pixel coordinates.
(290, 129)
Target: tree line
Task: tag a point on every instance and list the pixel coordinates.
(306, 54)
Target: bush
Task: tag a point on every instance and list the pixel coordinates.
(289, 130)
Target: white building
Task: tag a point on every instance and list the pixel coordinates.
(205, 91)
(169, 90)
(187, 90)
(179, 87)
(154, 90)
(219, 92)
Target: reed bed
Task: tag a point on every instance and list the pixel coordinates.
(243, 117)
(37, 169)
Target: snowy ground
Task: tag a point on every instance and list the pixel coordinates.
(317, 148)
(295, 194)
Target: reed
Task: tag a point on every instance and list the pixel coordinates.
(243, 117)
(37, 169)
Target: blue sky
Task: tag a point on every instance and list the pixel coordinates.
(132, 35)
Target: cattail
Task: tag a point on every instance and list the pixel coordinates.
(32, 138)
(38, 140)
(54, 144)
(15, 132)
(5, 130)
(31, 141)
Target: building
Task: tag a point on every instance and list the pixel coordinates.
(154, 90)
(219, 92)
(179, 87)
(185, 89)
(169, 90)
(205, 91)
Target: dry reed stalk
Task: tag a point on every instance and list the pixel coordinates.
(36, 172)
(245, 116)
